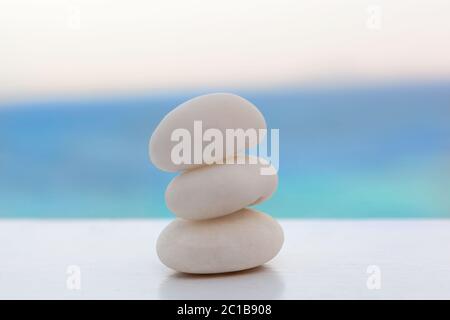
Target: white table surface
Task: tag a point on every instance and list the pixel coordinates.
(321, 259)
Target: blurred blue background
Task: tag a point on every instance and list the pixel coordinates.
(360, 93)
(349, 152)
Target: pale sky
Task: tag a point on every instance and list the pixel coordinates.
(52, 47)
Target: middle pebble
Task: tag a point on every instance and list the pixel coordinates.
(217, 190)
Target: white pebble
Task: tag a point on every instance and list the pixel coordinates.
(216, 111)
(239, 241)
(217, 190)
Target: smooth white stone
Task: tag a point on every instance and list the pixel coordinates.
(239, 241)
(219, 111)
(217, 190)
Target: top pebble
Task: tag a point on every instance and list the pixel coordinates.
(218, 110)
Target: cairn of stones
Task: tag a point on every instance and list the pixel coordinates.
(214, 230)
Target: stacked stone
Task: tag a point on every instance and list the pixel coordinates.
(214, 231)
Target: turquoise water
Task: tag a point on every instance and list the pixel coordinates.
(344, 153)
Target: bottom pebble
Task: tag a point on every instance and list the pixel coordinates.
(241, 240)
